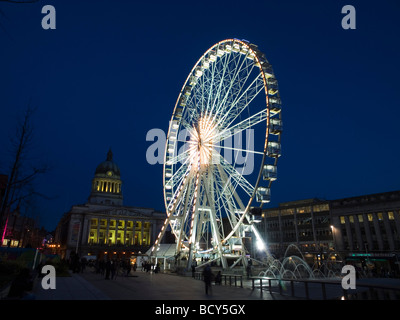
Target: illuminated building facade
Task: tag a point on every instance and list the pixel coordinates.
(355, 228)
(367, 229)
(305, 223)
(103, 225)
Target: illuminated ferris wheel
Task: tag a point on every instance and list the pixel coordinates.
(221, 154)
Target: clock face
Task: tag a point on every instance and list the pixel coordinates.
(109, 173)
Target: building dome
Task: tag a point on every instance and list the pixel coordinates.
(108, 167)
(106, 184)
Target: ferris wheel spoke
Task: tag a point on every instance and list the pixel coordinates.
(242, 150)
(233, 81)
(214, 79)
(220, 74)
(242, 102)
(237, 177)
(236, 85)
(236, 212)
(178, 176)
(248, 123)
(181, 156)
(186, 125)
(225, 198)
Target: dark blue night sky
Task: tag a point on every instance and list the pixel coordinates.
(112, 70)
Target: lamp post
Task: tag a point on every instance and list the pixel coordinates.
(333, 237)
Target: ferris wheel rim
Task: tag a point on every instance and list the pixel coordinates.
(259, 60)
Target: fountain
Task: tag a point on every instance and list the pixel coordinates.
(295, 267)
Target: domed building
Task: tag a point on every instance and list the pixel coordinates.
(106, 184)
(103, 226)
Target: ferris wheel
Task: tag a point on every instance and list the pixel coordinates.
(221, 154)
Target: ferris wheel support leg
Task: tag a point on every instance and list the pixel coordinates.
(218, 240)
(193, 238)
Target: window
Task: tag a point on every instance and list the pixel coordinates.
(360, 218)
(321, 207)
(370, 217)
(304, 210)
(351, 219)
(380, 216)
(93, 223)
(285, 212)
(391, 215)
(342, 220)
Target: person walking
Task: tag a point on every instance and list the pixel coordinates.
(113, 269)
(193, 270)
(128, 269)
(207, 276)
(108, 269)
(218, 278)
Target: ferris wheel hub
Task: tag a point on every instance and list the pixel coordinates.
(201, 143)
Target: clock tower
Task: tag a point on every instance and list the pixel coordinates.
(106, 184)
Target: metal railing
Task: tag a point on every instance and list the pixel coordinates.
(233, 278)
(368, 291)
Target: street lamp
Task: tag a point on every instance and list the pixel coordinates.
(333, 237)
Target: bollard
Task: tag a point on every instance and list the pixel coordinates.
(306, 288)
(323, 290)
(292, 287)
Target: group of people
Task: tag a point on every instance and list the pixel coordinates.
(111, 268)
(149, 266)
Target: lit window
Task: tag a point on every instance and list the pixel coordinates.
(391, 215)
(370, 217)
(360, 218)
(342, 220)
(380, 216)
(351, 219)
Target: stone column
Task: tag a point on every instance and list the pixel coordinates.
(125, 226)
(107, 231)
(295, 226)
(388, 230)
(141, 234)
(368, 235)
(98, 231)
(348, 233)
(358, 233)
(85, 231)
(396, 214)
(377, 231)
(133, 231)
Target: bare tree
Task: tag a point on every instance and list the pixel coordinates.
(23, 169)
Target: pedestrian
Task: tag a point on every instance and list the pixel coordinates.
(143, 265)
(207, 276)
(218, 278)
(128, 269)
(248, 269)
(193, 270)
(108, 269)
(113, 268)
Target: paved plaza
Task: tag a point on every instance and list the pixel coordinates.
(144, 286)
(140, 285)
